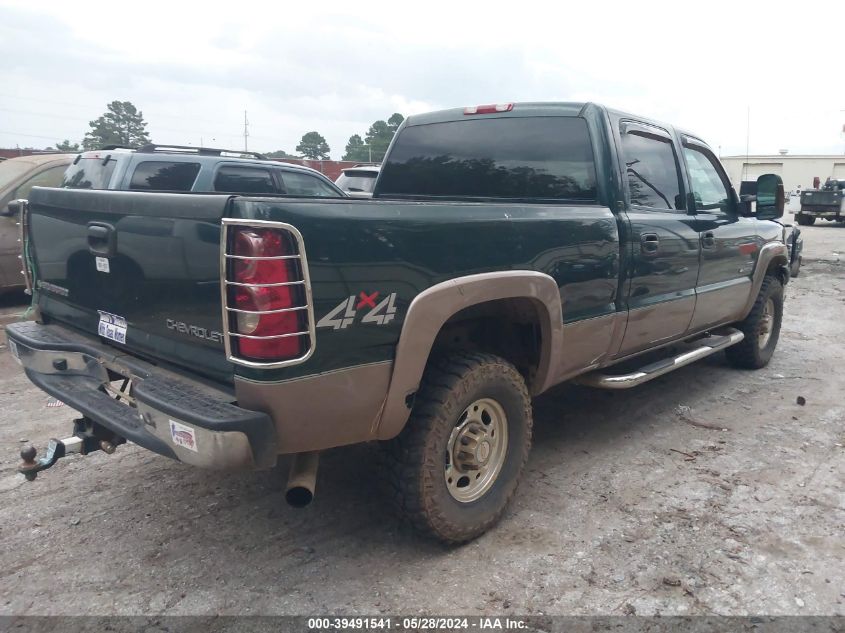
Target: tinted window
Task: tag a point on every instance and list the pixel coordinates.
(516, 158)
(89, 173)
(707, 186)
(306, 185)
(48, 178)
(164, 176)
(244, 180)
(653, 179)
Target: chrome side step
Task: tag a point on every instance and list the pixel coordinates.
(705, 346)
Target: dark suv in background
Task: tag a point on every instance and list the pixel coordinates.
(179, 168)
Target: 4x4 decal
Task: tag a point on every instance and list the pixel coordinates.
(343, 314)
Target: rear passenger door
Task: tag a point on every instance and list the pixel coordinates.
(728, 241)
(662, 239)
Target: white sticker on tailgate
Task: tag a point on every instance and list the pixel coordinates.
(183, 435)
(112, 327)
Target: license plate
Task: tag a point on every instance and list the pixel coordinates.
(112, 327)
(13, 347)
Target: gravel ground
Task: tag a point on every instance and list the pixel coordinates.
(709, 490)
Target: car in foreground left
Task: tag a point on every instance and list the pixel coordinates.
(17, 178)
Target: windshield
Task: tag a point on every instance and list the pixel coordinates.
(11, 170)
(89, 173)
(358, 181)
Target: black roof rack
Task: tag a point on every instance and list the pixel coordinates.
(201, 151)
(105, 147)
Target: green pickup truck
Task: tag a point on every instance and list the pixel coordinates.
(507, 248)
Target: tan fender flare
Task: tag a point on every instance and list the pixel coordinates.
(772, 253)
(430, 310)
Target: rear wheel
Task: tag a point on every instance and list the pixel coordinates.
(805, 220)
(761, 328)
(457, 463)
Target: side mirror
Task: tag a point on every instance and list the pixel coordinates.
(12, 209)
(770, 197)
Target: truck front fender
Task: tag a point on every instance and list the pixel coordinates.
(433, 307)
(774, 257)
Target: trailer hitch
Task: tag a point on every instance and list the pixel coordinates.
(88, 437)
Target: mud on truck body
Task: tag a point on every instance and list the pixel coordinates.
(506, 249)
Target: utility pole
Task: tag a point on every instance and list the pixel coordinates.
(246, 132)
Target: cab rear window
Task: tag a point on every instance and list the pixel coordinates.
(532, 158)
(89, 173)
(164, 176)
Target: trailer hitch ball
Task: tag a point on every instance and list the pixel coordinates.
(28, 454)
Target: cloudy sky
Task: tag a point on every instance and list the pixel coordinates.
(194, 67)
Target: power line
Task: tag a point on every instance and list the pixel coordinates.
(91, 107)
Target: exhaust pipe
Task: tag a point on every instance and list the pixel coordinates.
(302, 479)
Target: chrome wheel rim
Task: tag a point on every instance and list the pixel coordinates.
(766, 323)
(476, 450)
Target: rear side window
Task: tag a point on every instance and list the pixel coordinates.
(232, 179)
(652, 171)
(532, 158)
(306, 185)
(164, 176)
(89, 173)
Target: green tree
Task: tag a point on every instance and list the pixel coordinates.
(280, 153)
(381, 133)
(121, 124)
(395, 121)
(356, 149)
(67, 146)
(313, 146)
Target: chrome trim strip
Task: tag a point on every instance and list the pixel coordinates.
(272, 336)
(281, 283)
(281, 310)
(644, 374)
(305, 281)
(261, 258)
(23, 222)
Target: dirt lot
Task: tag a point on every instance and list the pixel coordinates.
(709, 490)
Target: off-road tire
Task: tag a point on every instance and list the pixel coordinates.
(748, 354)
(805, 220)
(415, 459)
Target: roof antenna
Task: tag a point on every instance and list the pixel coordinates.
(246, 132)
(747, 140)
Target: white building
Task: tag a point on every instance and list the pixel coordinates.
(797, 171)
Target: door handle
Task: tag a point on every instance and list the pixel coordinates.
(649, 243)
(102, 239)
(708, 240)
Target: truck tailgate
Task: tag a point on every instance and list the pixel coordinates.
(821, 200)
(140, 270)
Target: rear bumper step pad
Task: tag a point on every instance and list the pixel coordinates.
(174, 415)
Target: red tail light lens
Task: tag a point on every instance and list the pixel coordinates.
(275, 314)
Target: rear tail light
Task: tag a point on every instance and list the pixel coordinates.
(268, 319)
(489, 109)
